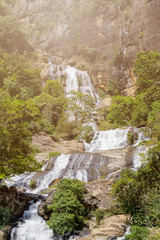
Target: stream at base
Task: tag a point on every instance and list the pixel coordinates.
(32, 224)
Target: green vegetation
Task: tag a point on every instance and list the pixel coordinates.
(81, 107)
(120, 112)
(144, 109)
(138, 233)
(5, 216)
(16, 127)
(52, 104)
(68, 211)
(138, 192)
(54, 154)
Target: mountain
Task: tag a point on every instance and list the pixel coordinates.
(101, 36)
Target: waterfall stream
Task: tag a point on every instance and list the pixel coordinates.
(83, 166)
(32, 226)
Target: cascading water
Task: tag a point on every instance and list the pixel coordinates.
(107, 140)
(83, 166)
(32, 226)
(76, 80)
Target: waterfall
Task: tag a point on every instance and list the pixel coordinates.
(32, 224)
(78, 80)
(83, 166)
(123, 237)
(75, 80)
(107, 140)
(60, 164)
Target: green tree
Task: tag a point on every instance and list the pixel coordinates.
(147, 68)
(138, 192)
(5, 216)
(16, 128)
(11, 36)
(67, 210)
(52, 104)
(81, 106)
(153, 120)
(140, 111)
(120, 112)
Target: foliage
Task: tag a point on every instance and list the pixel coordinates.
(99, 215)
(67, 210)
(16, 127)
(120, 112)
(113, 87)
(137, 233)
(52, 104)
(33, 184)
(16, 76)
(81, 106)
(54, 154)
(130, 137)
(140, 112)
(143, 110)
(11, 36)
(147, 68)
(5, 216)
(138, 192)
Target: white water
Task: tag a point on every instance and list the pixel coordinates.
(32, 226)
(108, 140)
(60, 164)
(138, 155)
(127, 232)
(76, 80)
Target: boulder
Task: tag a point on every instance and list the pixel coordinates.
(4, 234)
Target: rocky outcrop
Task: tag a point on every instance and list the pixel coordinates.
(9, 198)
(97, 196)
(47, 144)
(16, 201)
(110, 229)
(102, 37)
(98, 192)
(4, 234)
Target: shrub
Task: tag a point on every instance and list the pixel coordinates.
(137, 233)
(67, 209)
(54, 154)
(4, 216)
(138, 192)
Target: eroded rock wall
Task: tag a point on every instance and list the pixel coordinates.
(100, 36)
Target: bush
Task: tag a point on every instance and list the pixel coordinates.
(137, 233)
(5, 216)
(138, 192)
(67, 209)
(120, 112)
(54, 154)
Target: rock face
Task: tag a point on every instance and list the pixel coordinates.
(46, 144)
(110, 228)
(102, 37)
(16, 201)
(9, 198)
(98, 192)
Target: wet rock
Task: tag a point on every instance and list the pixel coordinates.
(5, 232)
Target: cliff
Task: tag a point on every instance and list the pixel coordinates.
(100, 36)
